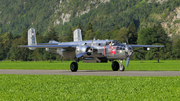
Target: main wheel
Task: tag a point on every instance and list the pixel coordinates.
(115, 66)
(121, 68)
(74, 66)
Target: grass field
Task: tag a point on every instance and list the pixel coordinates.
(150, 65)
(88, 88)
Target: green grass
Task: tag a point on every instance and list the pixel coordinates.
(88, 88)
(150, 65)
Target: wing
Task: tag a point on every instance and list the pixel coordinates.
(48, 46)
(47, 43)
(138, 46)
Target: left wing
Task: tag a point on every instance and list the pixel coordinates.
(48, 46)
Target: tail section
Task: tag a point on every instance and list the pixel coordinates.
(32, 38)
(77, 35)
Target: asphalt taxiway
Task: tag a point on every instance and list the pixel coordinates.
(91, 72)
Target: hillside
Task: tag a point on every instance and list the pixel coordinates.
(15, 15)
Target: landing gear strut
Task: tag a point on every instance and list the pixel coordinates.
(74, 66)
(121, 67)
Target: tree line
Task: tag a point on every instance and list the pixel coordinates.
(154, 35)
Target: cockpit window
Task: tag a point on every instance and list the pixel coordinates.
(107, 43)
(118, 48)
(115, 42)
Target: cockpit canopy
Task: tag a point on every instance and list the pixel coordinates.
(113, 43)
(119, 45)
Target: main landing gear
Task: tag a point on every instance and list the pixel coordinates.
(115, 66)
(74, 66)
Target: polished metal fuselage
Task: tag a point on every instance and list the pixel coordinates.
(101, 49)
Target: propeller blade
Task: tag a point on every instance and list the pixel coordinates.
(127, 42)
(127, 62)
(81, 54)
(92, 41)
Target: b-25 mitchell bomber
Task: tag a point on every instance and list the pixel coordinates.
(99, 51)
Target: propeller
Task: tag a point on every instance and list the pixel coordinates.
(91, 49)
(93, 41)
(127, 62)
(127, 42)
(129, 52)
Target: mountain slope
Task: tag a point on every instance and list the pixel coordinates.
(103, 14)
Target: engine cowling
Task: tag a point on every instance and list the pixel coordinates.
(81, 49)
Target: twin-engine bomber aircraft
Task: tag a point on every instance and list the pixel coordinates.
(88, 51)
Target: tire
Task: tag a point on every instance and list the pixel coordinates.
(122, 68)
(115, 66)
(74, 67)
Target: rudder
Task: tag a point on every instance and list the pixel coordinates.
(77, 35)
(32, 38)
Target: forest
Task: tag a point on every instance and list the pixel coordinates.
(139, 20)
(154, 35)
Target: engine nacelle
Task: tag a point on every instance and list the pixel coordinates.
(70, 53)
(81, 49)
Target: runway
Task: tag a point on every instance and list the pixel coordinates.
(91, 72)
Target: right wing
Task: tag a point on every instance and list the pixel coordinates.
(138, 46)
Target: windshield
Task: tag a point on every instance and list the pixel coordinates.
(115, 42)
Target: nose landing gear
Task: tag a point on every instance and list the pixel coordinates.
(115, 66)
(121, 67)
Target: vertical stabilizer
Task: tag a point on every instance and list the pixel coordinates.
(32, 38)
(77, 35)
